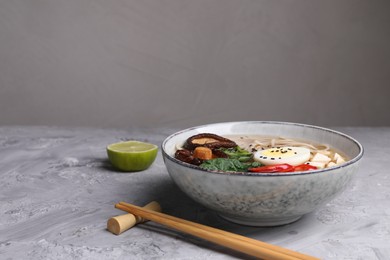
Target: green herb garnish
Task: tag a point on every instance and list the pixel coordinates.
(238, 153)
(227, 165)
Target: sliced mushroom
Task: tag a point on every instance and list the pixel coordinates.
(185, 155)
(211, 141)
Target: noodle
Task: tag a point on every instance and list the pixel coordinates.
(254, 143)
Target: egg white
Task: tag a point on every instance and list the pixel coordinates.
(278, 155)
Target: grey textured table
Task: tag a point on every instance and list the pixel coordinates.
(57, 191)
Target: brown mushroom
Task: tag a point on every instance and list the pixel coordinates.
(211, 141)
(185, 155)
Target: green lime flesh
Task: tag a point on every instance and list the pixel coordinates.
(132, 156)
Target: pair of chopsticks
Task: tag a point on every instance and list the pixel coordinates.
(230, 240)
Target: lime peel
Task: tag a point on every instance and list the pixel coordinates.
(130, 156)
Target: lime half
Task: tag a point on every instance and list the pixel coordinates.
(132, 156)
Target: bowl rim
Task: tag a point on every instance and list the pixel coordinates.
(249, 174)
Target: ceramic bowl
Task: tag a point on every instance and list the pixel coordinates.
(266, 199)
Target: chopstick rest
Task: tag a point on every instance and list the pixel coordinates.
(237, 242)
(121, 223)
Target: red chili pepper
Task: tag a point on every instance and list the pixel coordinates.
(273, 168)
(304, 167)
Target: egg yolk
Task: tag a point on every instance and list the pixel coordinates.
(278, 152)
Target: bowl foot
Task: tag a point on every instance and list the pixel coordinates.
(260, 222)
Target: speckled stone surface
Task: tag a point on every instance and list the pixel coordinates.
(57, 191)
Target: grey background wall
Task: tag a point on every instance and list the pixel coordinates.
(181, 62)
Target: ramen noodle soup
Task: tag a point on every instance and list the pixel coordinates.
(257, 154)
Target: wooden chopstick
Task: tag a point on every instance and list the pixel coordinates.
(234, 241)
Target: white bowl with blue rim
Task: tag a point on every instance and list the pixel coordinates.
(263, 199)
